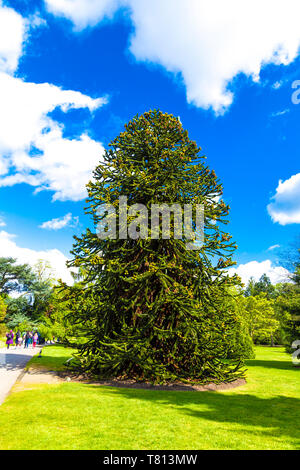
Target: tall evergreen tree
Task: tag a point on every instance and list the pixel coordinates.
(152, 309)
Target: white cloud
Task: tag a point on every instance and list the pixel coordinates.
(56, 258)
(285, 205)
(59, 223)
(280, 113)
(211, 42)
(83, 13)
(36, 21)
(2, 222)
(12, 32)
(273, 247)
(208, 43)
(277, 85)
(25, 107)
(59, 164)
(256, 269)
(33, 148)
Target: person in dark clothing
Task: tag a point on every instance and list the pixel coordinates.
(18, 335)
(26, 339)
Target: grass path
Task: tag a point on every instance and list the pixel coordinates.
(263, 414)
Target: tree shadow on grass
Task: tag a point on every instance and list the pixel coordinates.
(53, 363)
(50, 361)
(277, 416)
(279, 365)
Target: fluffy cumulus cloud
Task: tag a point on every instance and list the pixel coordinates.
(207, 43)
(285, 205)
(33, 148)
(12, 32)
(57, 260)
(256, 269)
(56, 224)
(83, 13)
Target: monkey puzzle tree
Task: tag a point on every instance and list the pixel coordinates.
(152, 309)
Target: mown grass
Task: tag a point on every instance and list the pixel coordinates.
(263, 414)
(52, 357)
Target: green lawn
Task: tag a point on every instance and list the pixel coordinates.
(264, 414)
(52, 357)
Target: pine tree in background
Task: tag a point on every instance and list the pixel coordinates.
(288, 306)
(151, 309)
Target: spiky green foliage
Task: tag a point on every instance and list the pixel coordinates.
(153, 310)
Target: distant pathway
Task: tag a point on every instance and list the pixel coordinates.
(12, 363)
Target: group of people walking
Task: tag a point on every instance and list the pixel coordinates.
(29, 338)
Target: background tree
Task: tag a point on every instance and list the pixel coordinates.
(289, 258)
(32, 300)
(35, 303)
(17, 311)
(41, 289)
(242, 343)
(151, 309)
(261, 318)
(288, 308)
(14, 277)
(263, 285)
(2, 316)
(288, 302)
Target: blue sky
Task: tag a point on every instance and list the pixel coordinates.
(72, 72)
